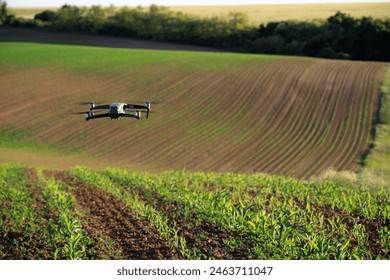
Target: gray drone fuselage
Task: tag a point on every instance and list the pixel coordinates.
(117, 110)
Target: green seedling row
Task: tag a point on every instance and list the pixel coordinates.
(19, 221)
(67, 228)
(156, 218)
(201, 215)
(37, 219)
(281, 218)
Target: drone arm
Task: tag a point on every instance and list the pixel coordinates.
(101, 107)
(99, 116)
(134, 106)
(137, 115)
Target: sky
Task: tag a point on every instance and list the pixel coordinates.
(58, 3)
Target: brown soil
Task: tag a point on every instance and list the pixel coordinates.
(133, 236)
(293, 116)
(206, 237)
(118, 233)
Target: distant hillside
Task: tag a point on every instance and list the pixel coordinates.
(218, 112)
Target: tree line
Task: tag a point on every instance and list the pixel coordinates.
(339, 36)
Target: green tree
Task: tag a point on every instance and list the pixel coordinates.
(69, 18)
(94, 19)
(5, 17)
(3, 13)
(45, 16)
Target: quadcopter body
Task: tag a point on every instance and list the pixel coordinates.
(116, 110)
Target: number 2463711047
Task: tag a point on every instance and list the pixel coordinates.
(238, 270)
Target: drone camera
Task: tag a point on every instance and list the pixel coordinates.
(138, 115)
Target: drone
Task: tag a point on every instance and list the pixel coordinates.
(116, 110)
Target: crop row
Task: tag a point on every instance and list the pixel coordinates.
(265, 220)
(200, 215)
(38, 218)
(218, 112)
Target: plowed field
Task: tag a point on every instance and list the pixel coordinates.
(218, 111)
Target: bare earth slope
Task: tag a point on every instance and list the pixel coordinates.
(292, 116)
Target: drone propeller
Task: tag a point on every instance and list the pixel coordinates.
(144, 102)
(89, 103)
(79, 113)
(82, 113)
(94, 106)
(152, 102)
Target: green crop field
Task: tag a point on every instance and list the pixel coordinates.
(187, 216)
(258, 14)
(190, 182)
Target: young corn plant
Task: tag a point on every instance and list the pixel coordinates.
(384, 238)
(283, 218)
(23, 214)
(158, 219)
(72, 240)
